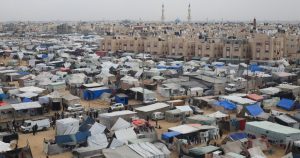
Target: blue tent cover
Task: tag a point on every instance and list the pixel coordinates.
(254, 109)
(286, 104)
(226, 104)
(238, 136)
(168, 135)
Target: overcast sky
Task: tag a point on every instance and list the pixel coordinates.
(148, 10)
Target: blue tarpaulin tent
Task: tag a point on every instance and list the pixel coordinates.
(286, 104)
(255, 67)
(79, 137)
(168, 135)
(86, 124)
(95, 93)
(254, 110)
(25, 100)
(226, 104)
(121, 98)
(238, 136)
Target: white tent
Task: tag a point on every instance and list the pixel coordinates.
(4, 147)
(97, 128)
(120, 124)
(125, 134)
(98, 140)
(67, 126)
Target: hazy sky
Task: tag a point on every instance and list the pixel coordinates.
(46, 10)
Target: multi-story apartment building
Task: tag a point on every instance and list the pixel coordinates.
(236, 48)
(208, 48)
(264, 47)
(292, 46)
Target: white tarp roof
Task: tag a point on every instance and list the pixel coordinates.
(97, 128)
(184, 108)
(148, 150)
(270, 90)
(218, 114)
(67, 126)
(120, 124)
(4, 147)
(28, 105)
(98, 140)
(256, 153)
(184, 129)
(31, 89)
(152, 107)
(118, 113)
(239, 100)
(119, 153)
(116, 143)
(286, 119)
(27, 95)
(125, 134)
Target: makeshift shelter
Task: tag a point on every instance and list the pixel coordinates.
(255, 97)
(224, 106)
(287, 121)
(238, 100)
(27, 108)
(169, 135)
(286, 104)
(109, 119)
(83, 152)
(95, 93)
(125, 135)
(119, 152)
(273, 131)
(121, 98)
(201, 119)
(256, 152)
(202, 151)
(69, 99)
(128, 82)
(218, 115)
(270, 90)
(120, 124)
(145, 111)
(143, 94)
(149, 150)
(254, 110)
(67, 126)
(174, 115)
(186, 109)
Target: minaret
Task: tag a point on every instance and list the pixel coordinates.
(189, 13)
(163, 13)
(254, 23)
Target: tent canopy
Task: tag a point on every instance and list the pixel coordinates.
(226, 104)
(254, 110)
(168, 135)
(286, 104)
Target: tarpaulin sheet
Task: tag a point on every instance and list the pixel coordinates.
(168, 135)
(286, 104)
(254, 109)
(238, 136)
(79, 137)
(226, 104)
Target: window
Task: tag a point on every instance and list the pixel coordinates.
(257, 50)
(236, 49)
(258, 44)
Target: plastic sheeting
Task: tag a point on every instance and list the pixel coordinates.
(168, 135)
(67, 126)
(286, 104)
(125, 134)
(98, 140)
(254, 110)
(226, 104)
(120, 124)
